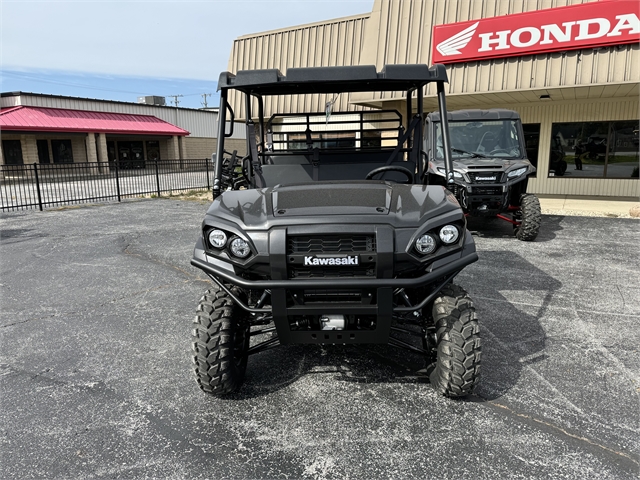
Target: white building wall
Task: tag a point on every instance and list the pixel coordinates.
(584, 85)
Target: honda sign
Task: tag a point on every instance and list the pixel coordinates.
(589, 25)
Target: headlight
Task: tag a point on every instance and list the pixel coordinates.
(217, 238)
(449, 234)
(517, 172)
(425, 244)
(240, 248)
(456, 174)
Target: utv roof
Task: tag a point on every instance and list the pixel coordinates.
(361, 78)
(476, 114)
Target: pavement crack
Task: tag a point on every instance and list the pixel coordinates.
(557, 307)
(620, 455)
(526, 364)
(624, 304)
(19, 323)
(26, 321)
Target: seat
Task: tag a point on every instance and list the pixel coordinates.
(294, 174)
(287, 159)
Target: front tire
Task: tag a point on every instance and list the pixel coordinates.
(457, 363)
(220, 343)
(531, 218)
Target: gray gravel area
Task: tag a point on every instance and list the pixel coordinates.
(96, 378)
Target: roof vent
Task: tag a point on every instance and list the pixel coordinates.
(152, 100)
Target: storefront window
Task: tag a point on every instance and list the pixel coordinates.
(43, 151)
(532, 142)
(12, 152)
(595, 149)
(62, 152)
(623, 151)
(153, 150)
(130, 155)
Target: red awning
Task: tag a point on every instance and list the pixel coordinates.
(40, 119)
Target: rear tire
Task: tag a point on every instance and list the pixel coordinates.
(531, 218)
(457, 365)
(220, 343)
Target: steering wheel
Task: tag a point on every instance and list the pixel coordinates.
(500, 150)
(391, 168)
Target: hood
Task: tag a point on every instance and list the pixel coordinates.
(480, 163)
(493, 164)
(363, 202)
(332, 199)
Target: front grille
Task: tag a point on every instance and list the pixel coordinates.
(486, 190)
(482, 177)
(341, 245)
(331, 244)
(326, 296)
(331, 272)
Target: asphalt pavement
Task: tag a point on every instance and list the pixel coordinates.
(96, 378)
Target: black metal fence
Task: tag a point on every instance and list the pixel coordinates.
(39, 185)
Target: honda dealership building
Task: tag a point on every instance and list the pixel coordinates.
(570, 68)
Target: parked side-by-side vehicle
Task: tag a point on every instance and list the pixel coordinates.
(327, 231)
(490, 166)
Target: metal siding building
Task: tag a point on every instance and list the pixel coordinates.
(582, 85)
(201, 125)
(334, 43)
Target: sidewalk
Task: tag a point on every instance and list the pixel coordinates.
(588, 206)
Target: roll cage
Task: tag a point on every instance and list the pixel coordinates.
(262, 144)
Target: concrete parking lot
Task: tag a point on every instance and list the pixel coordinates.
(96, 378)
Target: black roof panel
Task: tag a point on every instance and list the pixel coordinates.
(359, 78)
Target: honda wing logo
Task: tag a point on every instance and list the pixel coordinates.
(333, 261)
(452, 45)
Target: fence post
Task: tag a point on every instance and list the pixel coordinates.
(117, 179)
(206, 163)
(157, 178)
(35, 171)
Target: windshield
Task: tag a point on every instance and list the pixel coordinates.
(487, 139)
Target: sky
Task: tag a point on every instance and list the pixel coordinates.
(120, 50)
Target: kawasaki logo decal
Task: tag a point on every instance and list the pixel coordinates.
(485, 179)
(332, 261)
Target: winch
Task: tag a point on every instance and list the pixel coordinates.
(332, 322)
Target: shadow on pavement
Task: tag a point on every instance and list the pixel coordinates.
(491, 227)
(510, 294)
(511, 297)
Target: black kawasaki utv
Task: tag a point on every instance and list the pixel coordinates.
(325, 233)
(490, 166)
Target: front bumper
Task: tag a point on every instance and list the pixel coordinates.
(487, 198)
(376, 297)
(483, 199)
(454, 263)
